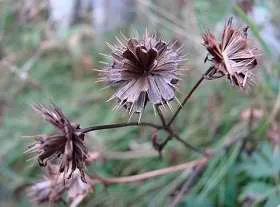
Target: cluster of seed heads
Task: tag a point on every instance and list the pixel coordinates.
(141, 70)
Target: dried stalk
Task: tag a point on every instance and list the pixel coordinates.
(151, 174)
(188, 96)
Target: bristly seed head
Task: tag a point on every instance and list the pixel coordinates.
(232, 57)
(65, 145)
(144, 70)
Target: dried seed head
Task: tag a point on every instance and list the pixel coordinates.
(65, 145)
(53, 186)
(49, 189)
(232, 57)
(144, 70)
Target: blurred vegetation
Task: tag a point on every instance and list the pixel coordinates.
(38, 66)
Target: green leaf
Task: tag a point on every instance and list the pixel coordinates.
(263, 163)
(255, 189)
(273, 200)
(195, 201)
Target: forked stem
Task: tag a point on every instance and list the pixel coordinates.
(143, 124)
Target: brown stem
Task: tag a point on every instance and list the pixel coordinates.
(151, 174)
(141, 124)
(186, 144)
(188, 96)
(159, 146)
(185, 100)
(120, 125)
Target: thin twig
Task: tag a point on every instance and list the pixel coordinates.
(160, 146)
(142, 124)
(151, 174)
(188, 96)
(187, 145)
(164, 143)
(120, 125)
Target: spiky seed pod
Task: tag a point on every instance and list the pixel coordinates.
(144, 70)
(66, 144)
(233, 57)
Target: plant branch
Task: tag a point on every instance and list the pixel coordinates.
(143, 124)
(120, 125)
(186, 144)
(188, 96)
(159, 146)
(151, 174)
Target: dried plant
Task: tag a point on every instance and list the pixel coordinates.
(144, 70)
(49, 189)
(233, 56)
(65, 145)
(53, 185)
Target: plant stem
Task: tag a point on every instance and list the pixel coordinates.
(187, 145)
(185, 100)
(151, 174)
(141, 124)
(164, 143)
(188, 96)
(120, 125)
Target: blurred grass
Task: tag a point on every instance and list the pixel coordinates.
(61, 72)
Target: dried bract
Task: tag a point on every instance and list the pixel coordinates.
(146, 69)
(232, 57)
(66, 144)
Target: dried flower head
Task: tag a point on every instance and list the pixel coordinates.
(49, 189)
(232, 57)
(66, 144)
(145, 70)
(53, 186)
